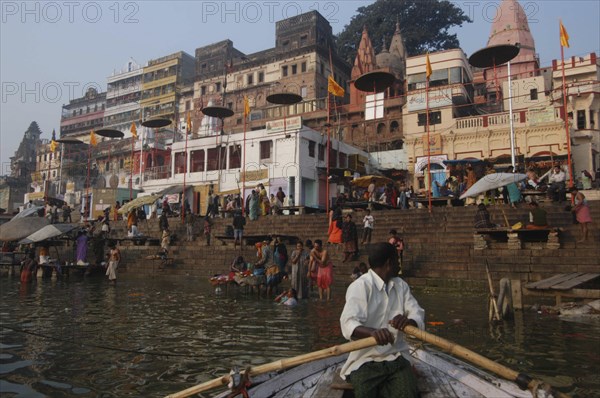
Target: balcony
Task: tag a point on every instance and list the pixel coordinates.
(157, 173)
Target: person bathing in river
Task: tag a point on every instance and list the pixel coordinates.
(379, 304)
(114, 257)
(288, 298)
(324, 265)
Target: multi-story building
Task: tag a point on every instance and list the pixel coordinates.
(82, 115)
(293, 158)
(162, 81)
(582, 77)
(299, 63)
(466, 128)
(123, 97)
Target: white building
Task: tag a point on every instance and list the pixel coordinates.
(123, 98)
(286, 155)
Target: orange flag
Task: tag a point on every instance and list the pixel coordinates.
(133, 130)
(53, 143)
(93, 141)
(428, 70)
(334, 88)
(246, 106)
(564, 36)
(188, 126)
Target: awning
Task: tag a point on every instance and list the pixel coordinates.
(20, 228)
(172, 190)
(138, 202)
(48, 232)
(461, 161)
(365, 181)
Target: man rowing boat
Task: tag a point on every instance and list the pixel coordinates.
(379, 304)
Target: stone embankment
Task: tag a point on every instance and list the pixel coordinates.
(440, 249)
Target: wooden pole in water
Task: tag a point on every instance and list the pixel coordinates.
(492, 294)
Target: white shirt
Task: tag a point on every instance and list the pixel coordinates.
(557, 177)
(368, 221)
(368, 304)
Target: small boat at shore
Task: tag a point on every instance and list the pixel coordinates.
(439, 376)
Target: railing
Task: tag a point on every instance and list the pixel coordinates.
(497, 119)
(157, 173)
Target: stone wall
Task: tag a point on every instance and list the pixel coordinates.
(439, 246)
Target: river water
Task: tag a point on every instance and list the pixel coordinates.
(151, 337)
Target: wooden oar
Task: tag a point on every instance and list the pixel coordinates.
(524, 381)
(281, 364)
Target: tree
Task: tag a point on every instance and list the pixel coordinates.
(424, 25)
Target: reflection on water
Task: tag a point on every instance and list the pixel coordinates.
(84, 338)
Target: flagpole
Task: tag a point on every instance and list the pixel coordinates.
(328, 135)
(87, 192)
(428, 139)
(243, 193)
(62, 156)
(185, 167)
(131, 169)
(48, 175)
(566, 116)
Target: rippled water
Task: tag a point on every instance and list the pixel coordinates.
(151, 337)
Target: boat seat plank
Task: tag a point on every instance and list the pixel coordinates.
(549, 282)
(570, 284)
(292, 376)
(467, 377)
(323, 387)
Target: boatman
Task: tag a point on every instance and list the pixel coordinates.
(379, 304)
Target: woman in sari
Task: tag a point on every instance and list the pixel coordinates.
(300, 260)
(254, 205)
(325, 269)
(335, 222)
(81, 243)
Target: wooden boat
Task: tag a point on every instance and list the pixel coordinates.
(439, 376)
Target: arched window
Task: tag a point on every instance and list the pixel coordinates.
(394, 127)
(380, 128)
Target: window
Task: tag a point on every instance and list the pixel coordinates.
(197, 159)
(374, 106)
(179, 162)
(322, 68)
(261, 77)
(581, 120)
(121, 163)
(592, 121)
(533, 94)
(235, 156)
(434, 118)
(230, 105)
(343, 160)
(303, 91)
(333, 157)
(213, 158)
(266, 148)
(303, 40)
(311, 148)
(294, 69)
(284, 71)
(188, 105)
(203, 90)
(321, 152)
(218, 87)
(250, 78)
(303, 67)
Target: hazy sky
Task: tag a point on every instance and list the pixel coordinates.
(50, 51)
